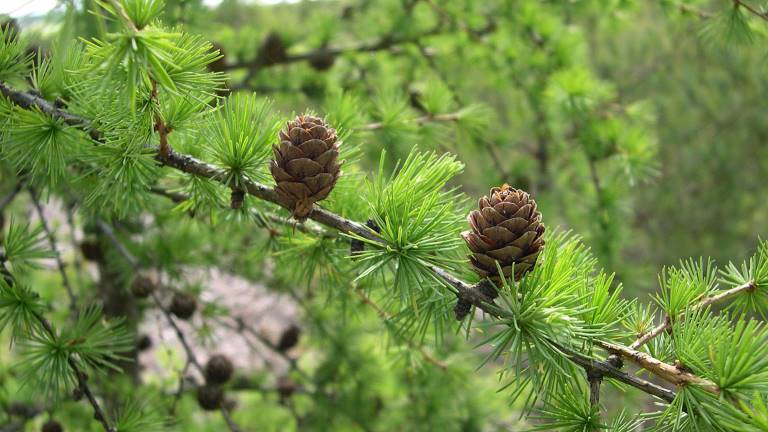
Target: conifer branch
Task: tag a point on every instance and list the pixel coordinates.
(495, 159)
(463, 290)
(10, 196)
(666, 325)
(751, 9)
(606, 369)
(191, 357)
(663, 370)
(384, 43)
(685, 8)
(80, 376)
(56, 254)
(451, 117)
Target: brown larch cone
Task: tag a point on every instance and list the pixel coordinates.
(210, 397)
(183, 305)
(506, 229)
(289, 338)
(306, 164)
(219, 369)
(272, 49)
(52, 426)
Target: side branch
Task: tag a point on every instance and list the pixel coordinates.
(663, 370)
(80, 376)
(707, 301)
(323, 53)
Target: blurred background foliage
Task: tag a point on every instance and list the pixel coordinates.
(637, 124)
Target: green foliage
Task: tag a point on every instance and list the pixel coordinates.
(14, 61)
(19, 307)
(22, 246)
(131, 169)
(239, 138)
(36, 143)
(680, 287)
(755, 271)
(416, 219)
(569, 412)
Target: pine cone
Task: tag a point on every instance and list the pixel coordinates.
(219, 369)
(142, 286)
(286, 387)
(305, 166)
(91, 250)
(323, 60)
(210, 397)
(52, 426)
(143, 343)
(506, 229)
(289, 338)
(183, 305)
(272, 49)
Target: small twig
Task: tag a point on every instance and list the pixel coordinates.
(383, 43)
(703, 303)
(685, 8)
(242, 326)
(180, 390)
(751, 9)
(56, 253)
(76, 261)
(8, 198)
(421, 120)
(594, 379)
(663, 370)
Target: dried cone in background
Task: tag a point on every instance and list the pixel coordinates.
(143, 343)
(219, 369)
(210, 397)
(289, 338)
(52, 426)
(183, 305)
(306, 164)
(272, 49)
(142, 286)
(91, 250)
(506, 228)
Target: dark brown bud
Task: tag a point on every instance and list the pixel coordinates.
(219, 369)
(52, 426)
(183, 305)
(142, 286)
(210, 397)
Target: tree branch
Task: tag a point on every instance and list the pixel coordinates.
(707, 301)
(751, 9)
(462, 289)
(191, 358)
(663, 370)
(80, 376)
(57, 255)
(421, 120)
(9, 197)
(323, 53)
